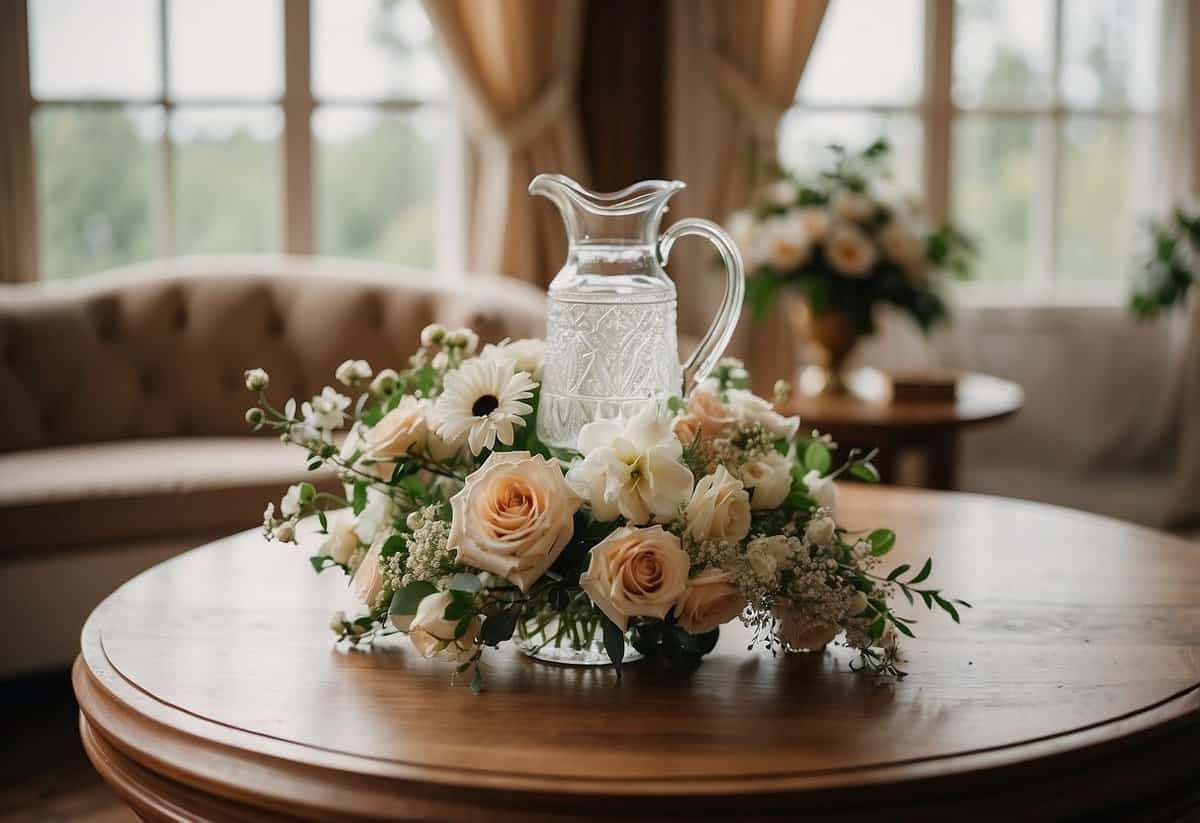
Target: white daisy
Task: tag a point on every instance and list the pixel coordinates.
(481, 402)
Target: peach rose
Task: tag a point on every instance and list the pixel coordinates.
(800, 633)
(712, 598)
(367, 582)
(715, 416)
(850, 250)
(770, 479)
(719, 508)
(433, 636)
(636, 573)
(685, 427)
(513, 517)
(400, 430)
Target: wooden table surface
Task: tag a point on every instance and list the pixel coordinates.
(210, 688)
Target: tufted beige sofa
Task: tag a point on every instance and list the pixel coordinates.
(122, 439)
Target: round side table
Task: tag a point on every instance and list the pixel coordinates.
(210, 689)
(865, 417)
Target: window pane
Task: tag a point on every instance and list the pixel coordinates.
(992, 190)
(81, 48)
(374, 49)
(867, 52)
(1111, 52)
(225, 48)
(376, 174)
(96, 183)
(227, 179)
(804, 137)
(1003, 52)
(1105, 193)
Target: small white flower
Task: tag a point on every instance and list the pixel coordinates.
(286, 533)
(820, 531)
(257, 379)
(385, 382)
(269, 515)
(822, 490)
(341, 542)
(433, 334)
(440, 361)
(375, 517)
(336, 622)
(326, 412)
(415, 520)
(353, 372)
(254, 416)
(752, 410)
(290, 505)
(850, 250)
(780, 193)
(631, 469)
(526, 355)
(482, 402)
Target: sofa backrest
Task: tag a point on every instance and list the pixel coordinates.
(159, 349)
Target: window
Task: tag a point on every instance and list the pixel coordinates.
(1044, 127)
(312, 131)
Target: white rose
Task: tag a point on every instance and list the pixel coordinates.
(852, 205)
(433, 636)
(375, 517)
(719, 508)
(785, 242)
(800, 633)
(815, 222)
(767, 555)
(711, 599)
(353, 371)
(770, 479)
(404, 428)
(849, 250)
(905, 247)
(751, 410)
(341, 542)
(513, 517)
(858, 605)
(632, 470)
(525, 355)
(821, 489)
(820, 531)
(367, 582)
(636, 573)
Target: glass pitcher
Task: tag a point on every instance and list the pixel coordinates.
(611, 341)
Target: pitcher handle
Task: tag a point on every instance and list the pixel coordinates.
(713, 344)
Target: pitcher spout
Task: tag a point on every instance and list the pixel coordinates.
(625, 217)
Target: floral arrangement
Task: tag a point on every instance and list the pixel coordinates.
(846, 241)
(1173, 265)
(461, 529)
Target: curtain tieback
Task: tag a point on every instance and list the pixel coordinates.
(521, 129)
(761, 111)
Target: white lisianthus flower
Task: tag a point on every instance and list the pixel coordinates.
(513, 517)
(719, 508)
(482, 402)
(904, 245)
(751, 410)
(769, 478)
(820, 531)
(326, 412)
(632, 470)
(376, 516)
(849, 250)
(289, 506)
(257, 380)
(526, 355)
(353, 372)
(341, 542)
(852, 205)
(636, 573)
(785, 243)
(432, 635)
(821, 489)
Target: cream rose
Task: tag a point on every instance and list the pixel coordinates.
(705, 404)
(636, 573)
(433, 636)
(821, 489)
(719, 508)
(342, 540)
(905, 246)
(711, 599)
(751, 410)
(786, 243)
(800, 633)
(769, 478)
(367, 582)
(852, 205)
(686, 427)
(513, 517)
(403, 428)
(850, 251)
(815, 222)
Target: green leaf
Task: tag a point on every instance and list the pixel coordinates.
(923, 573)
(318, 562)
(614, 644)
(675, 403)
(708, 641)
(476, 681)
(498, 628)
(899, 570)
(865, 471)
(463, 624)
(881, 541)
(407, 599)
(394, 545)
(876, 628)
(360, 497)
(464, 582)
(947, 607)
(324, 521)
(903, 629)
(413, 486)
(817, 457)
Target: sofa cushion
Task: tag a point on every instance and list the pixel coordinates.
(137, 489)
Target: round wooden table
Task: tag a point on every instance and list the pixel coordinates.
(866, 417)
(210, 688)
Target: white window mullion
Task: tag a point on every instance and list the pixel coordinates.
(1046, 191)
(166, 154)
(937, 108)
(298, 104)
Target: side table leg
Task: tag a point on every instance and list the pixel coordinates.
(942, 460)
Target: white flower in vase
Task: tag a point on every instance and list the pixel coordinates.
(849, 250)
(326, 412)
(821, 489)
(785, 242)
(631, 469)
(342, 541)
(769, 479)
(482, 402)
(432, 635)
(719, 508)
(526, 355)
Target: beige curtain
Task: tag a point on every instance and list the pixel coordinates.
(18, 226)
(515, 65)
(735, 66)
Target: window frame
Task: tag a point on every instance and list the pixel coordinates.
(297, 103)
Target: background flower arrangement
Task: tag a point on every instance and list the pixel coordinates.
(846, 242)
(461, 529)
(1173, 265)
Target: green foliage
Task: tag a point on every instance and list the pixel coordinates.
(817, 457)
(406, 600)
(1173, 266)
(614, 645)
(882, 541)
